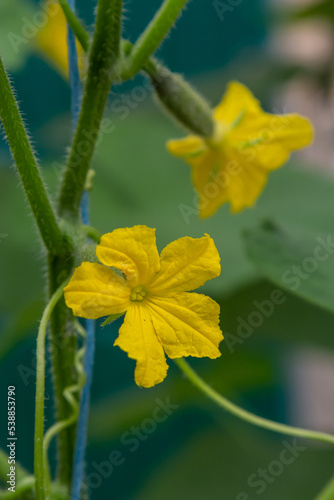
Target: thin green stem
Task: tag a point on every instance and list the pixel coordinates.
(73, 402)
(63, 346)
(102, 71)
(246, 415)
(40, 468)
(154, 34)
(328, 492)
(79, 31)
(27, 168)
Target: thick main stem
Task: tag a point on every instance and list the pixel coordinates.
(63, 344)
(103, 58)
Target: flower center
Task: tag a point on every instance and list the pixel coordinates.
(138, 293)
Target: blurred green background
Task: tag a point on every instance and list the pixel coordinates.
(199, 451)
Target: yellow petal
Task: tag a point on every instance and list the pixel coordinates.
(211, 177)
(138, 338)
(187, 324)
(189, 146)
(133, 251)
(268, 140)
(246, 187)
(237, 101)
(95, 291)
(186, 264)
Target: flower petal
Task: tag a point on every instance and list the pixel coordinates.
(138, 338)
(211, 177)
(246, 187)
(187, 324)
(268, 140)
(237, 101)
(132, 250)
(186, 264)
(95, 291)
(188, 146)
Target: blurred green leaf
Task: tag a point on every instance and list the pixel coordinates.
(302, 265)
(224, 462)
(117, 413)
(17, 29)
(291, 324)
(21, 326)
(324, 8)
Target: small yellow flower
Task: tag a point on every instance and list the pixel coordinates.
(161, 317)
(247, 144)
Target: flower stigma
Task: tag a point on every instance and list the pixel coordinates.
(138, 293)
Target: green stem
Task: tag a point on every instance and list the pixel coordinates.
(180, 99)
(151, 38)
(63, 344)
(328, 492)
(101, 72)
(74, 404)
(27, 168)
(40, 469)
(246, 415)
(75, 25)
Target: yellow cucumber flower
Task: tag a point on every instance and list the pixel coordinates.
(233, 164)
(161, 317)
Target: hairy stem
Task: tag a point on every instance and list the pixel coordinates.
(102, 70)
(27, 168)
(40, 467)
(154, 34)
(63, 345)
(75, 25)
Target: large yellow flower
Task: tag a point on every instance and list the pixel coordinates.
(247, 144)
(161, 317)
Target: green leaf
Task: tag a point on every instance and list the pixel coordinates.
(303, 264)
(112, 318)
(17, 31)
(324, 8)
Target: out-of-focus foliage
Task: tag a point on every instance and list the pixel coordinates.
(15, 46)
(304, 265)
